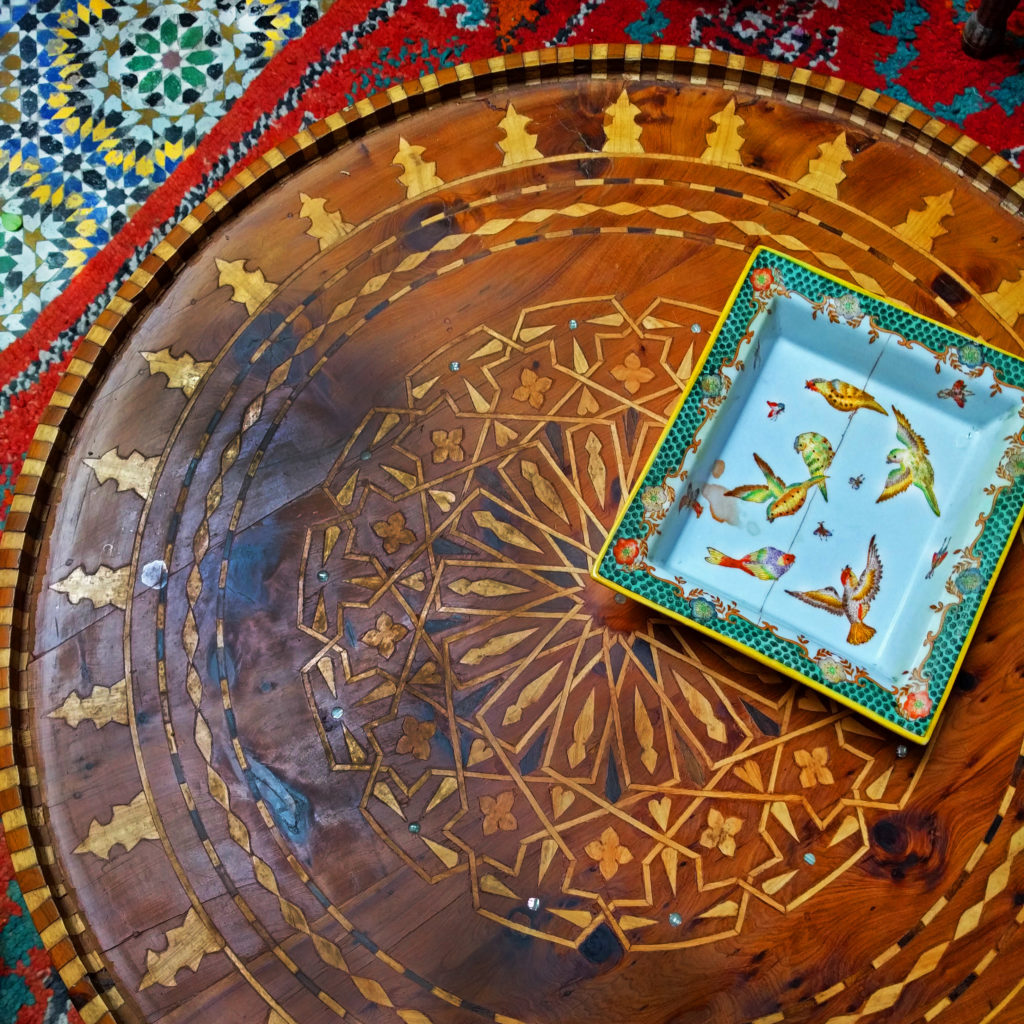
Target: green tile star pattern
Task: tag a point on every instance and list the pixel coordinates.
(100, 100)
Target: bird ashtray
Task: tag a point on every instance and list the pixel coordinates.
(835, 493)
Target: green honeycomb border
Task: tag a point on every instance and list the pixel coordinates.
(991, 546)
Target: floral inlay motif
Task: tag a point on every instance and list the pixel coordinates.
(532, 388)
(447, 445)
(609, 853)
(497, 812)
(813, 765)
(394, 532)
(385, 635)
(721, 832)
(415, 738)
(632, 373)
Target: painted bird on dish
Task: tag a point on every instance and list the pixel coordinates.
(763, 564)
(817, 453)
(912, 465)
(787, 498)
(843, 396)
(855, 600)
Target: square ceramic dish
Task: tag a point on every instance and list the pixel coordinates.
(835, 493)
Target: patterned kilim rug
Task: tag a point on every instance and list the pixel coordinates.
(116, 117)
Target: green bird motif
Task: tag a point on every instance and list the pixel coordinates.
(817, 452)
(912, 465)
(786, 498)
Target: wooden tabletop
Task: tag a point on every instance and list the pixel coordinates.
(312, 710)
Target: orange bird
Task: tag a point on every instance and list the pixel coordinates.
(858, 593)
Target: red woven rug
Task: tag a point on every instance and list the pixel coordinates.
(338, 52)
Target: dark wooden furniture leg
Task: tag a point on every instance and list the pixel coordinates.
(985, 30)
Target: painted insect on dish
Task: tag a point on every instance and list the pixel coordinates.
(776, 409)
(856, 481)
(855, 600)
(958, 392)
(764, 564)
(822, 531)
(785, 498)
(912, 465)
(842, 396)
(937, 558)
(689, 500)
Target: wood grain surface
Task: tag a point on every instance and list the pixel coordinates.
(312, 710)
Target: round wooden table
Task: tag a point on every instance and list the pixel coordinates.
(315, 712)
